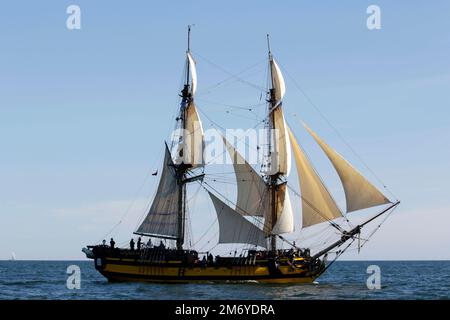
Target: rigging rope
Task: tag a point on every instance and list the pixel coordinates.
(232, 76)
(378, 226)
(128, 210)
(238, 140)
(297, 85)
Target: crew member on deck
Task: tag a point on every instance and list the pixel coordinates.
(210, 259)
(132, 244)
(112, 243)
(203, 263)
(139, 243)
(149, 243)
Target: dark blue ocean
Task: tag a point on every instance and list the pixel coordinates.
(344, 280)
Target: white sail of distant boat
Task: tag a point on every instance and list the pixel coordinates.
(13, 257)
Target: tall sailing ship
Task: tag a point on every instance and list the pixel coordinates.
(259, 220)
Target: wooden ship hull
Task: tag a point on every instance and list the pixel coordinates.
(131, 267)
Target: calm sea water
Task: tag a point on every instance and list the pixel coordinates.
(344, 280)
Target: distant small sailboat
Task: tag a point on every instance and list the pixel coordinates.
(13, 257)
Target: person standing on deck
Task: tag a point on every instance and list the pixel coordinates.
(132, 244)
(139, 243)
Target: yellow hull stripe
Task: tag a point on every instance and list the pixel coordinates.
(259, 273)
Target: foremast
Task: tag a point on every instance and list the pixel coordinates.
(166, 218)
(182, 168)
(191, 151)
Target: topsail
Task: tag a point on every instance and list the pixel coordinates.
(280, 161)
(192, 144)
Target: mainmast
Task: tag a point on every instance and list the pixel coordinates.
(273, 178)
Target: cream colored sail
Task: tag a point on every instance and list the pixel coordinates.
(253, 195)
(234, 228)
(277, 80)
(317, 204)
(359, 193)
(285, 216)
(192, 143)
(280, 161)
(190, 148)
(251, 189)
(193, 71)
(162, 218)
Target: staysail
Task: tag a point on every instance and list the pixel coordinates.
(359, 193)
(234, 228)
(317, 203)
(163, 214)
(251, 188)
(253, 196)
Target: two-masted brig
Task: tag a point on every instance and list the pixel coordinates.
(258, 220)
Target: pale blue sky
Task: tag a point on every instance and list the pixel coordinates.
(83, 113)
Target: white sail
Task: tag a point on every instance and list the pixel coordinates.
(251, 189)
(192, 144)
(193, 71)
(359, 193)
(317, 204)
(285, 220)
(253, 195)
(281, 153)
(277, 80)
(162, 218)
(234, 228)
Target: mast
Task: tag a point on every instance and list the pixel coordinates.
(188, 51)
(182, 168)
(273, 178)
(166, 216)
